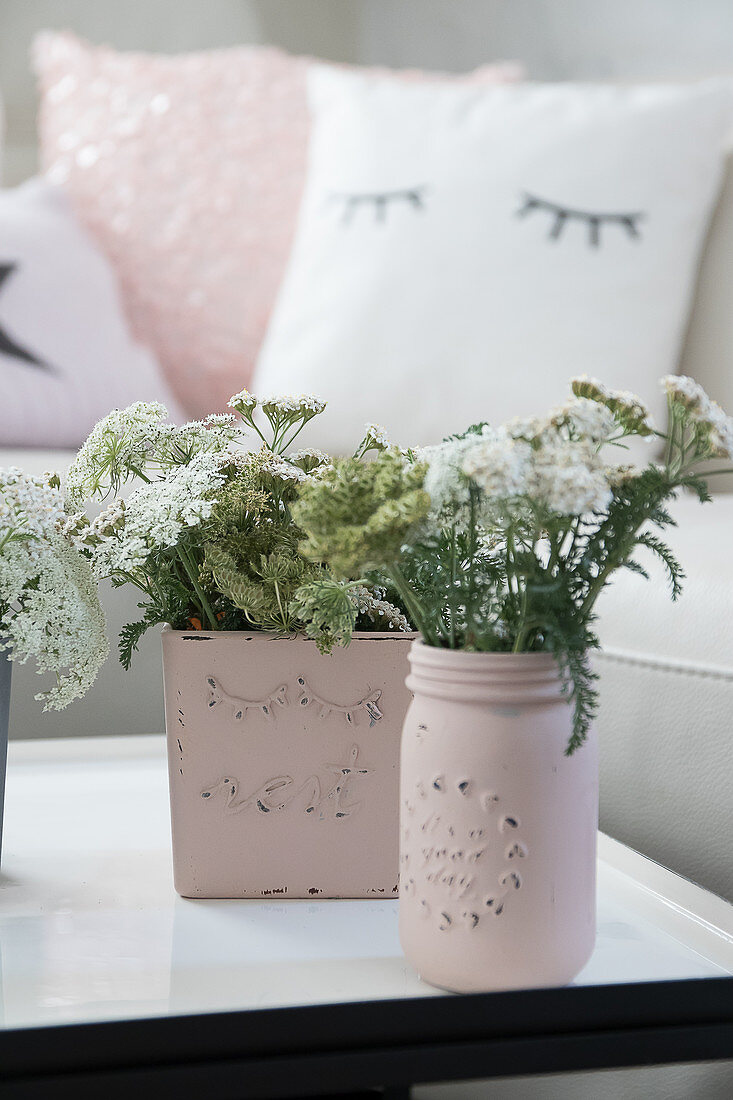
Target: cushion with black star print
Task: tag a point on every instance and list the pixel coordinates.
(66, 354)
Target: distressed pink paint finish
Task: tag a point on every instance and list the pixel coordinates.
(283, 764)
(498, 826)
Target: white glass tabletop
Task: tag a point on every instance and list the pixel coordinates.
(92, 930)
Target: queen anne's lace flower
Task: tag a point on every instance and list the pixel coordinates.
(49, 608)
(155, 516)
(244, 402)
(119, 443)
(29, 503)
(293, 404)
(375, 607)
(130, 441)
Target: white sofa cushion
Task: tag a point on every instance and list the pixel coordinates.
(461, 252)
(637, 617)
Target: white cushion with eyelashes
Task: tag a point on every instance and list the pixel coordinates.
(468, 286)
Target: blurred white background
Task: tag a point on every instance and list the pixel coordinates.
(556, 39)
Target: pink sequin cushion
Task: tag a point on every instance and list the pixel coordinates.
(188, 170)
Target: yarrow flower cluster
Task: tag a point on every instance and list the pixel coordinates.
(292, 405)
(524, 524)
(375, 439)
(283, 470)
(569, 478)
(585, 419)
(498, 463)
(377, 436)
(561, 475)
(627, 409)
(446, 481)
(244, 402)
(309, 459)
(689, 401)
(286, 415)
(49, 608)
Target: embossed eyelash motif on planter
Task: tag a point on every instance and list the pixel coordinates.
(369, 704)
(379, 201)
(281, 793)
(218, 697)
(561, 215)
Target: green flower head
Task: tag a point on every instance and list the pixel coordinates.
(358, 514)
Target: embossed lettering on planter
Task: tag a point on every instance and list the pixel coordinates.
(282, 793)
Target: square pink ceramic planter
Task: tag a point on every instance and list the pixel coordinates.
(284, 764)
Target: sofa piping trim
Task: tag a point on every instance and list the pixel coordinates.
(667, 664)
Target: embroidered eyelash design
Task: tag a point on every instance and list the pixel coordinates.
(563, 214)
(380, 201)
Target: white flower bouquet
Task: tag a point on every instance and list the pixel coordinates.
(502, 539)
(49, 608)
(206, 532)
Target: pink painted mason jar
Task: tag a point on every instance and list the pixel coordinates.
(497, 825)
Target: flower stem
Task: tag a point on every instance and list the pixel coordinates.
(189, 566)
(411, 603)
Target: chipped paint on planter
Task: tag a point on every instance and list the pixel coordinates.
(284, 763)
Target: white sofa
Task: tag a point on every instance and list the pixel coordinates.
(666, 717)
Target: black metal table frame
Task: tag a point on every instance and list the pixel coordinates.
(328, 1049)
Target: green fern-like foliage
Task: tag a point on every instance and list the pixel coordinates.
(328, 610)
(263, 591)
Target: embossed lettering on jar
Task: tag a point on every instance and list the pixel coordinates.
(497, 825)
